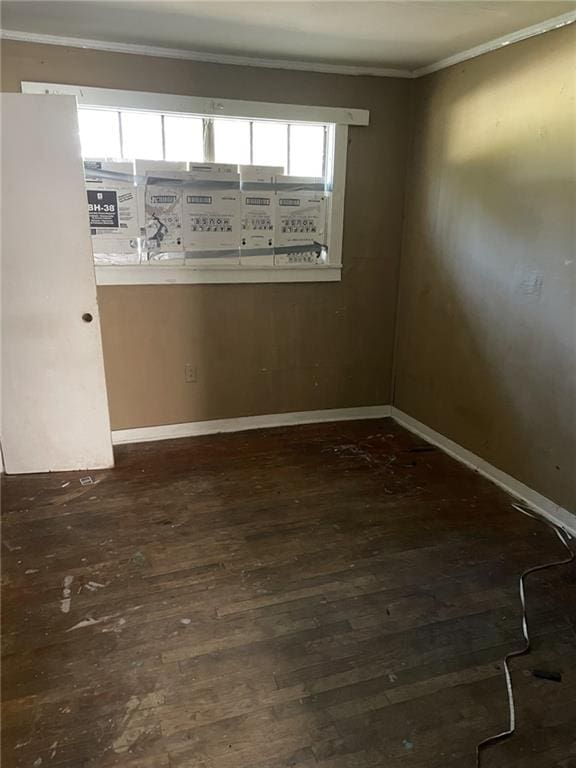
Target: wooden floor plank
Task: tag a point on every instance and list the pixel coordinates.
(335, 595)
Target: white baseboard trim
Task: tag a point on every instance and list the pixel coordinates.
(214, 426)
(547, 508)
(551, 511)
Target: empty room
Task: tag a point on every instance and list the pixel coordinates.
(288, 344)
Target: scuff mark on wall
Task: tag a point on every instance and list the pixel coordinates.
(529, 283)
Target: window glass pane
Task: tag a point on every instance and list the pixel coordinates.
(306, 150)
(232, 141)
(99, 133)
(270, 144)
(183, 138)
(142, 135)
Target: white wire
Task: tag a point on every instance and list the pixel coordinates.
(564, 538)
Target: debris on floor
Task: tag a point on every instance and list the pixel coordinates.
(547, 674)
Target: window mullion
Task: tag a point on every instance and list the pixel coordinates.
(208, 135)
(163, 137)
(121, 136)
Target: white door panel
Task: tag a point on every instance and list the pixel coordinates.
(54, 403)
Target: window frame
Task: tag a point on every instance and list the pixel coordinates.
(337, 121)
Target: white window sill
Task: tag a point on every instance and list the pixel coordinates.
(166, 275)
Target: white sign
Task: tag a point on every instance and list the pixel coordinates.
(112, 207)
(211, 207)
(300, 212)
(160, 204)
(163, 218)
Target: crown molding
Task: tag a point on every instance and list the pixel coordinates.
(303, 66)
(207, 58)
(500, 42)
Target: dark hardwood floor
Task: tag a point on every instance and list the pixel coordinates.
(336, 595)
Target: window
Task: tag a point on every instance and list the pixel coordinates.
(142, 135)
(270, 144)
(298, 148)
(232, 142)
(99, 133)
(190, 189)
(183, 138)
(307, 150)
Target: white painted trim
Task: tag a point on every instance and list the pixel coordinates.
(215, 426)
(547, 508)
(113, 98)
(338, 153)
(208, 58)
(499, 42)
(159, 274)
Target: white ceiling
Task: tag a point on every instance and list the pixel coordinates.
(404, 34)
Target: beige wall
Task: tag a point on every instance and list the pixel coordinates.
(486, 325)
(486, 334)
(258, 348)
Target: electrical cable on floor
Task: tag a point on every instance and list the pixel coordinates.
(564, 538)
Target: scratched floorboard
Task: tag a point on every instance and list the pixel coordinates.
(332, 596)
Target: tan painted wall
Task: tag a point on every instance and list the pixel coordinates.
(487, 325)
(258, 348)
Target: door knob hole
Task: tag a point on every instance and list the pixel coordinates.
(87, 317)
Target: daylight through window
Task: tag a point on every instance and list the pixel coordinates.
(298, 148)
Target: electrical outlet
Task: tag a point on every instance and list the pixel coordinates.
(190, 373)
